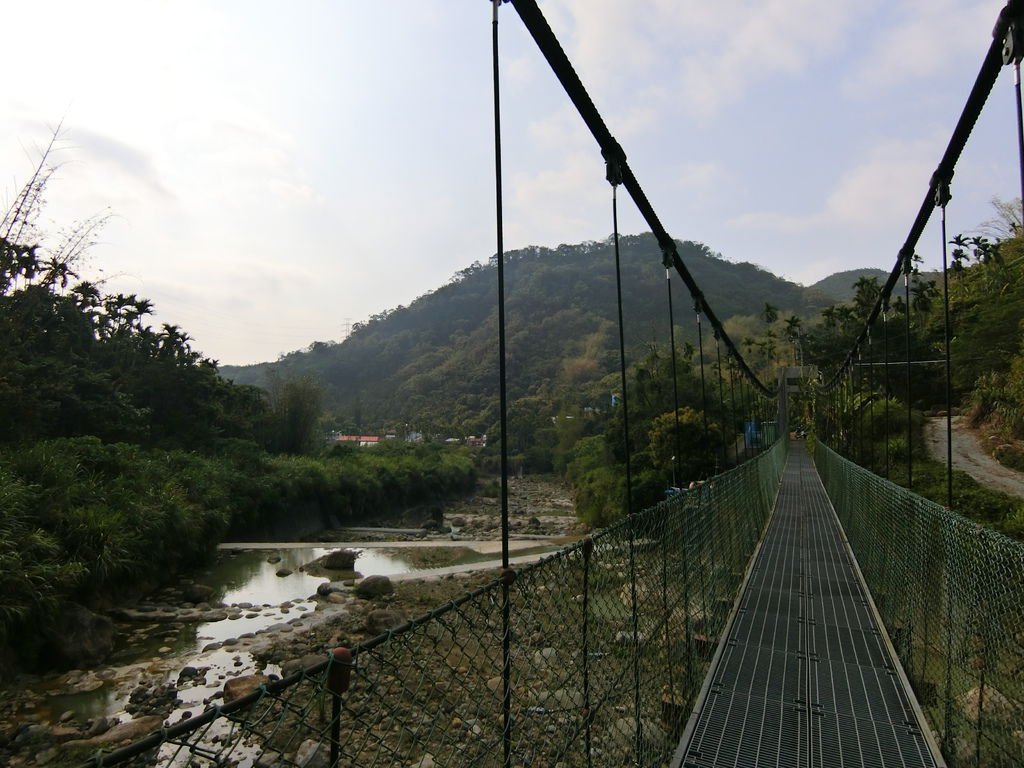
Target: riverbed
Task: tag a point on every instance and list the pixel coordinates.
(261, 608)
(250, 604)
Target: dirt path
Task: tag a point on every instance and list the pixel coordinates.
(969, 456)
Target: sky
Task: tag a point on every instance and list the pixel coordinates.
(275, 171)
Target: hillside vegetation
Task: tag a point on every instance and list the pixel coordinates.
(839, 287)
(431, 367)
(125, 459)
(986, 303)
(126, 456)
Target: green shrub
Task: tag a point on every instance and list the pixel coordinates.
(1010, 456)
(33, 570)
(79, 519)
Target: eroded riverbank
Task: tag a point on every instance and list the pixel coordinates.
(175, 656)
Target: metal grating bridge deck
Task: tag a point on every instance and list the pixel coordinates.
(804, 676)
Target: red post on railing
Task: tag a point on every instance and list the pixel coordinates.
(339, 676)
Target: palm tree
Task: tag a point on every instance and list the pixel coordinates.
(830, 316)
(866, 292)
(923, 292)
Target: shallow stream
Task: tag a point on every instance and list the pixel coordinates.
(151, 654)
(241, 579)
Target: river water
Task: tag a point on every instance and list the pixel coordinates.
(246, 581)
(241, 579)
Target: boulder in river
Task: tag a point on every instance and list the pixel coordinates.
(81, 637)
(292, 666)
(242, 686)
(340, 560)
(374, 586)
(383, 620)
(197, 593)
(312, 754)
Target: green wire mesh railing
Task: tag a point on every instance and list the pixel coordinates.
(610, 639)
(951, 594)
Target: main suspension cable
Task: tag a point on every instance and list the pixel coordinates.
(995, 57)
(549, 46)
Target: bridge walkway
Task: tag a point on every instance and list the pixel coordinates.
(805, 676)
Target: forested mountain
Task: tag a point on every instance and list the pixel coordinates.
(433, 365)
(839, 287)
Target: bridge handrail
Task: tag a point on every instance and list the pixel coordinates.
(951, 594)
(586, 667)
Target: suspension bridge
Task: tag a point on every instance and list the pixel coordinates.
(795, 610)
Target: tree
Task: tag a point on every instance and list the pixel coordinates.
(1007, 222)
(296, 404)
(74, 361)
(922, 294)
(866, 293)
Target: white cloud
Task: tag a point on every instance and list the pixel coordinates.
(112, 154)
(760, 41)
(558, 204)
(933, 36)
(699, 176)
(885, 188)
(313, 148)
(716, 51)
(559, 130)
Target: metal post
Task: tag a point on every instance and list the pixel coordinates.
(1020, 128)
(703, 390)
(885, 369)
(588, 719)
(677, 469)
(870, 404)
(721, 401)
(984, 627)
(948, 734)
(942, 197)
(858, 404)
(339, 677)
(1013, 52)
(638, 731)
(506, 608)
(851, 408)
(667, 617)
(732, 406)
(508, 577)
(908, 266)
(744, 401)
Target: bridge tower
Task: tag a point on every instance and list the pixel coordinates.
(793, 381)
